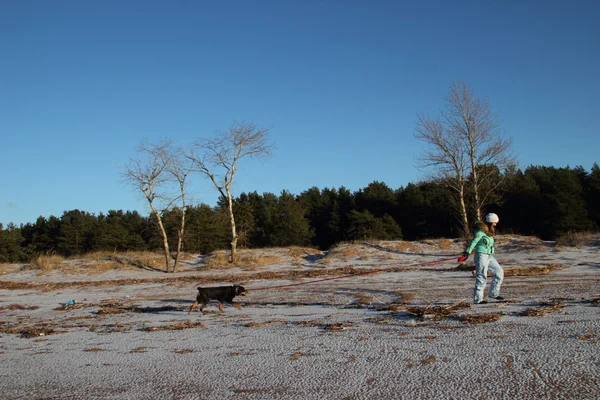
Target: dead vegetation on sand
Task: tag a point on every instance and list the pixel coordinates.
(174, 327)
(543, 309)
(100, 262)
(247, 260)
(517, 271)
(30, 331)
(436, 312)
(479, 318)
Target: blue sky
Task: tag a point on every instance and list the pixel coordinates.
(340, 83)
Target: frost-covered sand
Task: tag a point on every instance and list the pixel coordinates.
(407, 332)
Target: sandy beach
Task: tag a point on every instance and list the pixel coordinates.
(405, 328)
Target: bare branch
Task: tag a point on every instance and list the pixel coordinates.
(222, 153)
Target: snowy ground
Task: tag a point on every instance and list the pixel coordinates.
(408, 331)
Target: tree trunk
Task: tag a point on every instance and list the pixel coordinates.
(477, 199)
(463, 212)
(234, 237)
(163, 235)
(476, 188)
(180, 232)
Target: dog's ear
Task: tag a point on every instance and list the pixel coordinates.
(199, 288)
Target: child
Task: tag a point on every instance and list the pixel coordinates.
(483, 244)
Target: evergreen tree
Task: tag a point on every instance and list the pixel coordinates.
(365, 226)
(264, 209)
(207, 229)
(11, 242)
(244, 219)
(75, 235)
(561, 207)
(377, 198)
(290, 227)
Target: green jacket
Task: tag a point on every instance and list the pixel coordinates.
(483, 242)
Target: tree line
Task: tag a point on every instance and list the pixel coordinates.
(547, 202)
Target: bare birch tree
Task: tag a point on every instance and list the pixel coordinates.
(488, 149)
(149, 174)
(179, 168)
(217, 159)
(467, 149)
(446, 158)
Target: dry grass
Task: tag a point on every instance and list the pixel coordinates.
(344, 252)
(445, 244)
(30, 331)
(247, 260)
(337, 326)
(48, 262)
(545, 308)
(99, 262)
(576, 239)
(479, 318)
(536, 270)
(403, 247)
(298, 254)
(7, 268)
(19, 307)
(263, 323)
(520, 271)
(174, 327)
(437, 312)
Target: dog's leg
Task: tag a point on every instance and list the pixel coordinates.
(237, 306)
(192, 308)
(220, 306)
(202, 308)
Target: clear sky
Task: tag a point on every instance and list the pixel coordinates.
(340, 82)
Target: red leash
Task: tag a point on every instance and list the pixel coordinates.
(346, 276)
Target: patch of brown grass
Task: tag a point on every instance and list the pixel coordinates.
(182, 351)
(298, 254)
(263, 323)
(336, 326)
(31, 331)
(114, 308)
(429, 360)
(174, 327)
(437, 312)
(545, 308)
(247, 260)
(536, 270)
(7, 268)
(344, 251)
(19, 307)
(479, 318)
(402, 247)
(525, 271)
(47, 262)
(141, 349)
(445, 244)
(575, 239)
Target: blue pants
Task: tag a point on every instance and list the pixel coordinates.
(483, 262)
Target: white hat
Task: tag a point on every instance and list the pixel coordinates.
(491, 217)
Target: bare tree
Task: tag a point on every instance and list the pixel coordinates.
(179, 168)
(447, 159)
(467, 149)
(222, 153)
(149, 173)
(488, 150)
